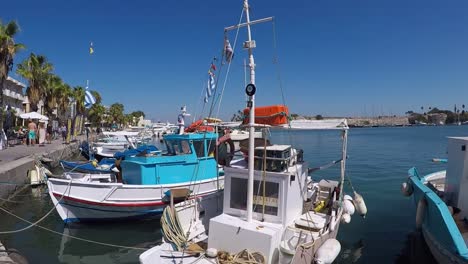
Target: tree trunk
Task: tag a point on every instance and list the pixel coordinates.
(2, 82)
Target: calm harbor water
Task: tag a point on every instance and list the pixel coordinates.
(378, 162)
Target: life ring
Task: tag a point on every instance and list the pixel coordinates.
(198, 126)
(225, 139)
(193, 126)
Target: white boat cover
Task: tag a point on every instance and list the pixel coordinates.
(325, 124)
(120, 133)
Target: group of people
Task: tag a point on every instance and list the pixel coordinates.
(35, 134)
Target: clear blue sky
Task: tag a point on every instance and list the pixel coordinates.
(337, 57)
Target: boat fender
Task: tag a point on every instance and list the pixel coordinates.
(420, 212)
(333, 222)
(348, 207)
(360, 204)
(406, 189)
(347, 197)
(293, 160)
(47, 172)
(327, 252)
(212, 252)
(346, 218)
(33, 177)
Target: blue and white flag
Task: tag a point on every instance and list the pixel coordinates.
(210, 87)
(89, 99)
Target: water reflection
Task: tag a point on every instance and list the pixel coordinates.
(415, 251)
(140, 236)
(350, 253)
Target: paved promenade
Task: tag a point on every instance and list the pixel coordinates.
(20, 151)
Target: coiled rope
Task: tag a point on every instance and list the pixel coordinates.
(172, 229)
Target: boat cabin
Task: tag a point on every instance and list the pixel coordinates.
(276, 203)
(189, 157)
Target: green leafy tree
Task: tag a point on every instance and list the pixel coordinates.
(8, 50)
(116, 113)
(96, 114)
(36, 69)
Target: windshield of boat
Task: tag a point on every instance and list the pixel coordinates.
(178, 147)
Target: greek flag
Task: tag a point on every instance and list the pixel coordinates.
(89, 99)
(210, 87)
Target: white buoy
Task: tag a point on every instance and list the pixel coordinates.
(420, 212)
(347, 197)
(346, 218)
(406, 189)
(211, 252)
(348, 207)
(333, 221)
(328, 251)
(360, 204)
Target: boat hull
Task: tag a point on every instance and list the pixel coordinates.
(439, 229)
(91, 202)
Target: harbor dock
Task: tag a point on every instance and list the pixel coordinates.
(15, 161)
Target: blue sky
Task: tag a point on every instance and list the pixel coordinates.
(336, 57)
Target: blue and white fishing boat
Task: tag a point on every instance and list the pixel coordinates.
(106, 165)
(441, 204)
(147, 181)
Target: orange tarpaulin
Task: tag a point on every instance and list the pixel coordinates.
(273, 115)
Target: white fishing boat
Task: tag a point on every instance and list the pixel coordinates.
(281, 217)
(147, 180)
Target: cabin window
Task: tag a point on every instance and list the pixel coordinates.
(211, 145)
(239, 196)
(185, 147)
(199, 148)
(176, 147)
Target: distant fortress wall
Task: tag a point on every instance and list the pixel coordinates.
(378, 121)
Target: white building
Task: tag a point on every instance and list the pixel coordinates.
(13, 95)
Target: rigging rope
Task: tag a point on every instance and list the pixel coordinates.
(229, 65)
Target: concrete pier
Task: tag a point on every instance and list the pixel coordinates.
(15, 161)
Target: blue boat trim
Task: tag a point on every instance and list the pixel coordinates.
(438, 220)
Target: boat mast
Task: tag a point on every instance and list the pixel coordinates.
(250, 181)
(249, 45)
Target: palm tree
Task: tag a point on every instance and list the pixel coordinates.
(79, 96)
(8, 49)
(64, 93)
(36, 69)
(96, 114)
(52, 93)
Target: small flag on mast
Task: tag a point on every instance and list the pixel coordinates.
(228, 52)
(89, 98)
(91, 49)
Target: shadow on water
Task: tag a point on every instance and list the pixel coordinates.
(126, 240)
(351, 253)
(415, 250)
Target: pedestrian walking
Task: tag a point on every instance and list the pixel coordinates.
(32, 132)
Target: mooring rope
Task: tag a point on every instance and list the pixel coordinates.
(36, 224)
